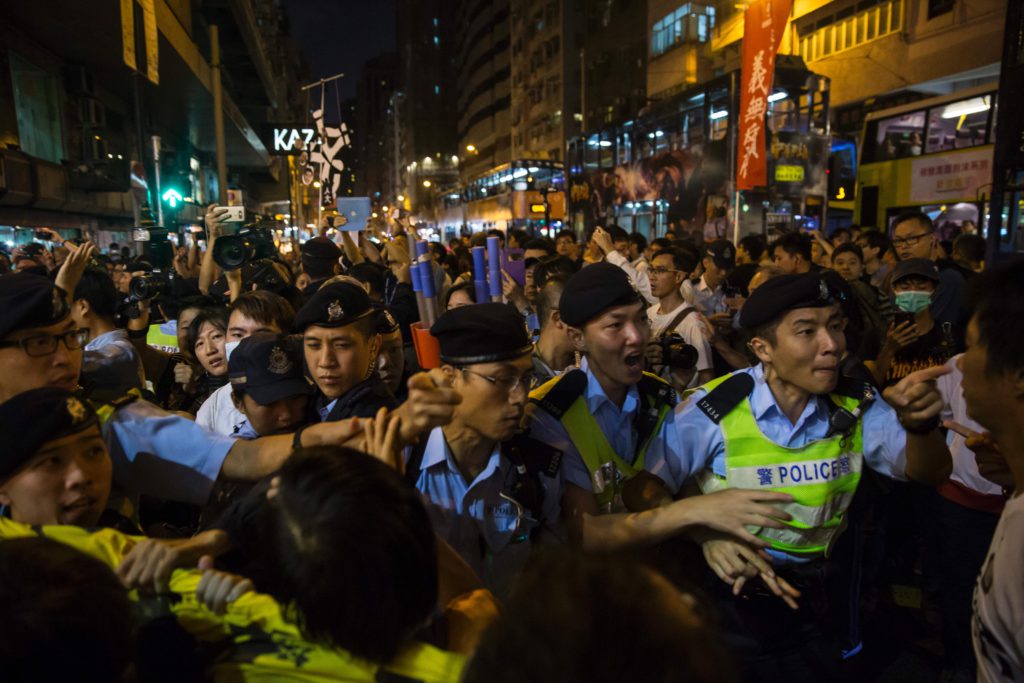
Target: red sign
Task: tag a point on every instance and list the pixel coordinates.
(763, 25)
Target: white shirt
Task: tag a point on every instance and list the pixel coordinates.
(965, 467)
(218, 413)
(997, 627)
(690, 329)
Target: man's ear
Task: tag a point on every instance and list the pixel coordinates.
(762, 348)
(81, 308)
(5, 499)
(239, 403)
(576, 337)
(556, 318)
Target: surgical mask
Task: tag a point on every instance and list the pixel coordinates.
(912, 302)
(230, 346)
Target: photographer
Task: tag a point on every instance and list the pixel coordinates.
(675, 324)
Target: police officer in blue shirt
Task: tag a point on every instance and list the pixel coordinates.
(491, 492)
(792, 424)
(268, 385)
(154, 452)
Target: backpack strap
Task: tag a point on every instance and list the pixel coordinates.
(680, 317)
(718, 402)
(564, 393)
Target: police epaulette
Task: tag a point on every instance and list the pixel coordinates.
(717, 403)
(567, 389)
(852, 387)
(122, 401)
(659, 389)
(538, 456)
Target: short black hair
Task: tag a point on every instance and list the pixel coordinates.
(618, 233)
(369, 273)
(996, 299)
(876, 239)
(840, 231)
(661, 243)
(549, 297)
(970, 247)
(922, 218)
(754, 245)
(638, 240)
(682, 260)
(519, 235)
(468, 287)
(541, 243)
(848, 248)
(215, 315)
(317, 267)
(565, 233)
(348, 530)
(794, 244)
(540, 636)
(265, 307)
(97, 289)
(66, 615)
(549, 266)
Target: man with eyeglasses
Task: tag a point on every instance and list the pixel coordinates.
(154, 452)
(913, 236)
(673, 315)
(491, 492)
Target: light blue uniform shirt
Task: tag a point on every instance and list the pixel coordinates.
(487, 529)
(689, 441)
(326, 410)
(616, 424)
(244, 430)
(161, 454)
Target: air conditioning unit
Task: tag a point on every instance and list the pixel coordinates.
(91, 112)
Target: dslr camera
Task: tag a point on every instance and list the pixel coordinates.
(676, 353)
(251, 243)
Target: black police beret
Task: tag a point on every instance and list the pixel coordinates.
(321, 247)
(334, 305)
(592, 291)
(386, 323)
(29, 300)
(33, 418)
(916, 267)
(482, 333)
(786, 293)
(268, 368)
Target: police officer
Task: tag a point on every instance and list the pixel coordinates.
(391, 356)
(153, 452)
(320, 260)
(491, 491)
(793, 425)
(608, 414)
(268, 385)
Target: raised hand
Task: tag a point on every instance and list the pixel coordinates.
(916, 398)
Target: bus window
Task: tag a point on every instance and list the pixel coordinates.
(693, 120)
(896, 137)
(719, 113)
(958, 125)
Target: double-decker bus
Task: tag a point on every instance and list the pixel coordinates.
(674, 165)
(527, 194)
(934, 155)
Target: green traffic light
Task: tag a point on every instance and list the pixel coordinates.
(172, 197)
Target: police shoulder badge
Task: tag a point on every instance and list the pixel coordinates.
(280, 364)
(335, 312)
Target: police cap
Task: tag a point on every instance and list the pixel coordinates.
(482, 333)
(722, 254)
(321, 248)
(592, 291)
(386, 323)
(33, 418)
(268, 368)
(30, 300)
(336, 304)
(785, 293)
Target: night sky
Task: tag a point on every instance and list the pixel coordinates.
(340, 35)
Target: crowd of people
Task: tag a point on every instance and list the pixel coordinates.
(646, 460)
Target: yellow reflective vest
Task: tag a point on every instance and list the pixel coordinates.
(254, 640)
(564, 397)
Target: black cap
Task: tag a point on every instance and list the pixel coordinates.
(482, 333)
(321, 247)
(33, 418)
(916, 267)
(386, 323)
(592, 291)
(785, 293)
(30, 300)
(722, 253)
(334, 305)
(268, 368)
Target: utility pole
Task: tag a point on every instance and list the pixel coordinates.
(218, 119)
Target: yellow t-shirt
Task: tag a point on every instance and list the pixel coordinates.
(256, 642)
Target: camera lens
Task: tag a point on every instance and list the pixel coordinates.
(232, 252)
(146, 287)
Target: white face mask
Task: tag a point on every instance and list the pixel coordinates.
(230, 346)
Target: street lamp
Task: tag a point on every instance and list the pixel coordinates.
(401, 198)
(470, 148)
(426, 183)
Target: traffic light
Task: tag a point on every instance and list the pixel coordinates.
(172, 198)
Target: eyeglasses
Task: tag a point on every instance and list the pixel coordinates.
(658, 270)
(507, 384)
(909, 240)
(44, 344)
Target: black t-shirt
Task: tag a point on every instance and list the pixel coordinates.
(740, 277)
(935, 347)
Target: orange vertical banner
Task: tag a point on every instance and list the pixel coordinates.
(763, 25)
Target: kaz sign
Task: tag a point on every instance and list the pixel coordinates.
(291, 139)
